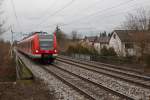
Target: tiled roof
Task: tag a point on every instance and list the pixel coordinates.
(131, 35)
(91, 38)
(104, 39)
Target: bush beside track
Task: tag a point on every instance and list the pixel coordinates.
(7, 64)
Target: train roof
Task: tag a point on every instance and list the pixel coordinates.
(39, 33)
(46, 35)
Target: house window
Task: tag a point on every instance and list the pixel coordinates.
(114, 36)
(128, 45)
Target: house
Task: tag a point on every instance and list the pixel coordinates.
(129, 42)
(100, 42)
(89, 40)
(97, 42)
(124, 42)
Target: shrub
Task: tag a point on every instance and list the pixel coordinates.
(71, 49)
(111, 52)
(78, 48)
(104, 51)
(147, 60)
(7, 64)
(107, 51)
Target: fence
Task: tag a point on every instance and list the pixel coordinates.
(105, 59)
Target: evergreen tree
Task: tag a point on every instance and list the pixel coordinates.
(61, 37)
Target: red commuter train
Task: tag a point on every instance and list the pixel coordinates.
(39, 46)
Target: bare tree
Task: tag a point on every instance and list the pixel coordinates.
(2, 21)
(74, 35)
(131, 23)
(138, 21)
(61, 38)
(141, 42)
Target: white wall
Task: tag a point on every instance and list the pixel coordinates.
(97, 46)
(119, 46)
(116, 44)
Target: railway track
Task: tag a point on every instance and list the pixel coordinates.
(85, 86)
(7, 83)
(124, 75)
(106, 65)
(90, 89)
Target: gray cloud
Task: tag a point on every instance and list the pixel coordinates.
(32, 12)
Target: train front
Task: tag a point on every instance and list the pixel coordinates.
(48, 47)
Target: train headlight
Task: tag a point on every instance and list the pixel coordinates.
(55, 50)
(36, 51)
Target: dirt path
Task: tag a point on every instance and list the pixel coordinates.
(25, 90)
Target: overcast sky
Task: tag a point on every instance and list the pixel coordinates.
(85, 16)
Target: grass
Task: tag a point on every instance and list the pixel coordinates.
(25, 72)
(7, 64)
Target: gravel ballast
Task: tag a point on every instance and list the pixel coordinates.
(62, 91)
(117, 85)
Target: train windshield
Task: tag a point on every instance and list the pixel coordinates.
(46, 42)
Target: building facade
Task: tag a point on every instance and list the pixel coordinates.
(129, 42)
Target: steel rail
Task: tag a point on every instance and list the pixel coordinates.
(119, 70)
(119, 75)
(104, 64)
(69, 83)
(87, 80)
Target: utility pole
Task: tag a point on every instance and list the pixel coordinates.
(12, 36)
(57, 28)
(12, 40)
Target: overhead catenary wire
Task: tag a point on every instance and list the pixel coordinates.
(95, 13)
(15, 14)
(115, 6)
(59, 10)
(89, 6)
(48, 9)
(102, 18)
(110, 16)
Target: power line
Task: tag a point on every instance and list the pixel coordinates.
(14, 11)
(103, 17)
(92, 14)
(46, 10)
(115, 14)
(59, 10)
(88, 7)
(95, 13)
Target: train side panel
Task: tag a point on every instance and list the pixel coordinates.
(31, 46)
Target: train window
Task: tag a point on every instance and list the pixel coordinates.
(46, 42)
(46, 45)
